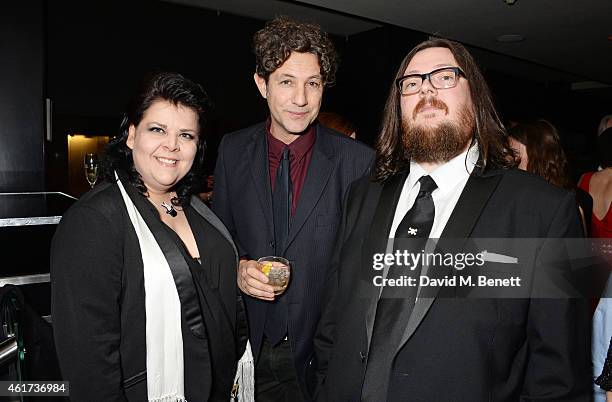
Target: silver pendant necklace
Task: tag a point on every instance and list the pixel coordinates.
(169, 209)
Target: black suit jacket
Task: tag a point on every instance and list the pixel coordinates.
(98, 301)
(460, 349)
(243, 201)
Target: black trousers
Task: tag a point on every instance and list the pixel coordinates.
(275, 377)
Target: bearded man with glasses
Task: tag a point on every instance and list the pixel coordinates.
(444, 171)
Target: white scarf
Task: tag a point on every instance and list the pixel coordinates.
(165, 380)
(244, 382)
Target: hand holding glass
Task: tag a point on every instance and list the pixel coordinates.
(278, 271)
(91, 168)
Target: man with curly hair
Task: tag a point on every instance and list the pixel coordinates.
(279, 189)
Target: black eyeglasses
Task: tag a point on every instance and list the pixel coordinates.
(441, 78)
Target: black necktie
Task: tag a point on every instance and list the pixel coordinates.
(281, 202)
(275, 327)
(421, 216)
(393, 309)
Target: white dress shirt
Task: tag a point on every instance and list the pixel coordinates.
(450, 178)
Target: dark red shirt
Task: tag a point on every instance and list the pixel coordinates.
(300, 152)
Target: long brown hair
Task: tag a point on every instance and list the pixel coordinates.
(489, 131)
(545, 154)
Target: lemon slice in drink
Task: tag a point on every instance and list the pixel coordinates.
(267, 266)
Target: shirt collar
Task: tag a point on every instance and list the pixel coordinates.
(448, 174)
(297, 149)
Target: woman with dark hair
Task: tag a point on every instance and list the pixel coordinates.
(538, 150)
(144, 296)
(599, 185)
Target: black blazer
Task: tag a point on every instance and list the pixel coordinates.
(98, 300)
(243, 201)
(460, 349)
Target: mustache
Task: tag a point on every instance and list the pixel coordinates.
(429, 101)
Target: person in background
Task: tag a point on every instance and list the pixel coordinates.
(207, 195)
(144, 299)
(604, 123)
(539, 151)
(279, 187)
(338, 122)
(599, 186)
(605, 379)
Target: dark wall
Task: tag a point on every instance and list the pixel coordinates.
(99, 51)
(369, 61)
(21, 96)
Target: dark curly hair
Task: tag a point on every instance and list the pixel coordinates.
(177, 90)
(273, 45)
(489, 131)
(545, 155)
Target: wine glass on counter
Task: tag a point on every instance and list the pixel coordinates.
(91, 168)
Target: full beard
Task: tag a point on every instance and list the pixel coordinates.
(440, 143)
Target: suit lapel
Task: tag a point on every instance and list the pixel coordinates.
(460, 225)
(257, 151)
(378, 239)
(199, 207)
(472, 201)
(319, 170)
(211, 218)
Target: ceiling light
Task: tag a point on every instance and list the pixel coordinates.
(509, 38)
